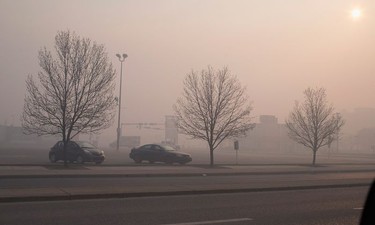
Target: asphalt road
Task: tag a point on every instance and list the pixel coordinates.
(302, 207)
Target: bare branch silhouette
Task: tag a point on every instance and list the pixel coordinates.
(75, 90)
(314, 123)
(213, 107)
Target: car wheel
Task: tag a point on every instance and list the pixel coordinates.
(79, 159)
(52, 158)
(137, 160)
(182, 163)
(98, 163)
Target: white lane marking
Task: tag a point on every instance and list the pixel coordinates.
(360, 208)
(213, 221)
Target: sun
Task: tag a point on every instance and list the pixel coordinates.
(356, 13)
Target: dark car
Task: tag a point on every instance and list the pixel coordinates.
(159, 153)
(77, 151)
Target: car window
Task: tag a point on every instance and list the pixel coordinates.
(146, 147)
(84, 144)
(169, 148)
(157, 148)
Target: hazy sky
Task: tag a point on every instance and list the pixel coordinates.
(277, 48)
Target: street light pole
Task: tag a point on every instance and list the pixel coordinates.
(122, 59)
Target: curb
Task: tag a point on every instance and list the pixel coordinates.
(171, 193)
(111, 175)
(201, 165)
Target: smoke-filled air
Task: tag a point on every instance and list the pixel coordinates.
(264, 57)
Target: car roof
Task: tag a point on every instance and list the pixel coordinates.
(160, 145)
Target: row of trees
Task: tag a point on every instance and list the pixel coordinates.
(74, 94)
(214, 106)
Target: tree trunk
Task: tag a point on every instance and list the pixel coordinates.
(314, 157)
(211, 157)
(64, 154)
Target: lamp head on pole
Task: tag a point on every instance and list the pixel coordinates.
(121, 57)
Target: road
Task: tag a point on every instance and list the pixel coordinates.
(300, 207)
(189, 182)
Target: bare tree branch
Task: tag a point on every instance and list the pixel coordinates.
(75, 90)
(213, 107)
(314, 123)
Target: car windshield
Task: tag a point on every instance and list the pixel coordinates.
(168, 148)
(84, 144)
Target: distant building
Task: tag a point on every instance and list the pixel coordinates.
(171, 130)
(358, 133)
(268, 135)
(358, 119)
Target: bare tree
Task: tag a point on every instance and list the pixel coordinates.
(313, 123)
(213, 107)
(74, 93)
